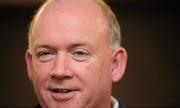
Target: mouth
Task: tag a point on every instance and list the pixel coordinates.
(63, 94)
(60, 90)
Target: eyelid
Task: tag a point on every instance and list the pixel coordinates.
(81, 57)
(45, 55)
(81, 50)
(41, 53)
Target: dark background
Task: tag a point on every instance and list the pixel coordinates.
(150, 30)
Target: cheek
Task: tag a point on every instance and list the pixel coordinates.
(103, 73)
(41, 71)
(93, 74)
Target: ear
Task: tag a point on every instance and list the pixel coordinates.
(119, 64)
(28, 58)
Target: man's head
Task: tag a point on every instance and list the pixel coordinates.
(74, 54)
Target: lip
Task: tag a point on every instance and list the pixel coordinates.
(63, 94)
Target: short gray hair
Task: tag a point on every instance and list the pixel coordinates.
(114, 28)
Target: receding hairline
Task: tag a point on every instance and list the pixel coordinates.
(103, 6)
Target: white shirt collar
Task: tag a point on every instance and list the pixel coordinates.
(115, 103)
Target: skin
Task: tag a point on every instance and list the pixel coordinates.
(71, 51)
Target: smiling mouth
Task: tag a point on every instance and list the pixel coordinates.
(59, 90)
(63, 94)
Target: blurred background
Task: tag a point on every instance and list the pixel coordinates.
(150, 30)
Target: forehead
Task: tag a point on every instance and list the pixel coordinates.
(84, 11)
(69, 17)
(74, 6)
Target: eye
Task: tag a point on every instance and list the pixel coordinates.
(80, 54)
(45, 55)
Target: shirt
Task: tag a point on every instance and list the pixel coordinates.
(115, 103)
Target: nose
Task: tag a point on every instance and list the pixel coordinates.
(61, 68)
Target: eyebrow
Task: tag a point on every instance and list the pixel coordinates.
(44, 46)
(78, 44)
(73, 45)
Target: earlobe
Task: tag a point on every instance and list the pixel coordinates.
(119, 64)
(28, 58)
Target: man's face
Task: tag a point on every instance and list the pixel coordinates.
(71, 61)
